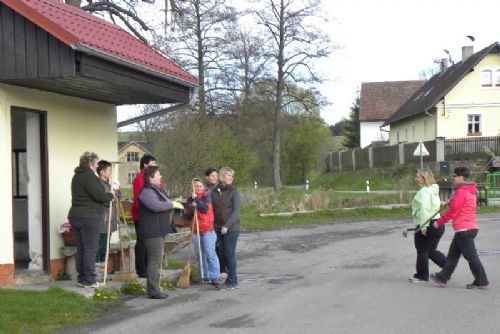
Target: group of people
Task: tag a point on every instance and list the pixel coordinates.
(214, 206)
(91, 201)
(430, 225)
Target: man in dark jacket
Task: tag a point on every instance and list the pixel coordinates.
(87, 202)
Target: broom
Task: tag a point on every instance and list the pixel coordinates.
(123, 275)
(184, 279)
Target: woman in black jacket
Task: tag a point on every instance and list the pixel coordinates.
(155, 212)
(87, 203)
(226, 205)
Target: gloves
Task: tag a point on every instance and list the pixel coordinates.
(178, 205)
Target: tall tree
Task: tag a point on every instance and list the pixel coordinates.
(351, 126)
(198, 42)
(295, 42)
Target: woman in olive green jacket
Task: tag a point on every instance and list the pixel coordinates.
(425, 210)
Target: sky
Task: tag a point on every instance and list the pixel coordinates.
(393, 40)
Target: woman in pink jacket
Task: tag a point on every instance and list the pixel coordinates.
(463, 212)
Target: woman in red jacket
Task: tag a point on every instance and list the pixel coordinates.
(201, 201)
(463, 212)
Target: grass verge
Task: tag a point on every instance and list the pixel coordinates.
(26, 312)
(256, 222)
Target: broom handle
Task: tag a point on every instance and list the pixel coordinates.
(128, 232)
(122, 258)
(107, 242)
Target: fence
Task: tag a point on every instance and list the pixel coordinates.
(439, 150)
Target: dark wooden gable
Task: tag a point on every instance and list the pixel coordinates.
(28, 52)
(30, 57)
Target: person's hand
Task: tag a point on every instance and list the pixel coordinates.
(194, 196)
(424, 231)
(447, 202)
(435, 225)
(223, 231)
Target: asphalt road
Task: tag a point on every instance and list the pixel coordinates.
(343, 277)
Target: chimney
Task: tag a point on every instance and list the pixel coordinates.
(443, 64)
(467, 51)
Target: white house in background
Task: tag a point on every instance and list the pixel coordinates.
(378, 101)
(63, 71)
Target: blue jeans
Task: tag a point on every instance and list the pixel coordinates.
(227, 244)
(209, 259)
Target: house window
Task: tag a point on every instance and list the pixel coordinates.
(413, 135)
(497, 78)
(397, 136)
(131, 177)
(132, 156)
(473, 125)
(486, 78)
(406, 135)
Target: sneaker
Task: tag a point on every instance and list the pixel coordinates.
(217, 284)
(223, 275)
(93, 285)
(477, 286)
(231, 287)
(438, 281)
(415, 280)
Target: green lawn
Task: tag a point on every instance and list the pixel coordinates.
(255, 221)
(38, 312)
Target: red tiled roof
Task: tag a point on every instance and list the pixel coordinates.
(379, 100)
(78, 28)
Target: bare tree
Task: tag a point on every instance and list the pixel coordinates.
(199, 40)
(123, 11)
(296, 42)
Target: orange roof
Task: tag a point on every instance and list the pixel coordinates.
(80, 29)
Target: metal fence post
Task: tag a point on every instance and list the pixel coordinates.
(401, 153)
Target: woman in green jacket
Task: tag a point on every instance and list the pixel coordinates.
(425, 210)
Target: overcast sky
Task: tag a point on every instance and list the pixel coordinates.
(391, 40)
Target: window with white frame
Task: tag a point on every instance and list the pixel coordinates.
(131, 177)
(473, 125)
(397, 136)
(406, 135)
(497, 78)
(132, 156)
(486, 78)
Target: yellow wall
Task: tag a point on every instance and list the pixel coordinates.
(418, 123)
(74, 125)
(450, 118)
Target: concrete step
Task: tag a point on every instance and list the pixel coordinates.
(25, 277)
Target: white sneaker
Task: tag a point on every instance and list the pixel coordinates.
(415, 280)
(223, 275)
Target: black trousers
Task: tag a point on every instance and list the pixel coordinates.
(87, 240)
(463, 244)
(426, 246)
(141, 255)
(219, 249)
